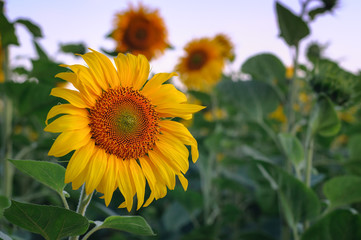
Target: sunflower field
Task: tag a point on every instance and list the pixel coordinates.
(101, 146)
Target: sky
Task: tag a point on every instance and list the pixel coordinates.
(251, 26)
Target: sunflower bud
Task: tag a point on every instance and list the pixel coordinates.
(314, 51)
(334, 82)
(329, 5)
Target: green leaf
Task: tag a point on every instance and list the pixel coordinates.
(299, 203)
(265, 67)
(110, 52)
(50, 174)
(74, 48)
(41, 53)
(7, 31)
(254, 99)
(292, 28)
(132, 224)
(33, 28)
(354, 146)
(292, 147)
(337, 225)
(343, 190)
(325, 120)
(4, 203)
(51, 222)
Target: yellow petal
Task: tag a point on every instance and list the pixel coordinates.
(166, 94)
(126, 68)
(142, 72)
(87, 79)
(96, 70)
(108, 69)
(67, 122)
(73, 79)
(124, 183)
(138, 180)
(68, 141)
(80, 179)
(157, 80)
(183, 181)
(65, 109)
(97, 166)
(133, 71)
(165, 173)
(182, 110)
(180, 131)
(149, 200)
(174, 150)
(110, 180)
(79, 161)
(148, 172)
(73, 97)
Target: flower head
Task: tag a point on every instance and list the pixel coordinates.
(120, 126)
(202, 65)
(140, 31)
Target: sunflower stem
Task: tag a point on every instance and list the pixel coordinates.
(84, 201)
(65, 202)
(6, 151)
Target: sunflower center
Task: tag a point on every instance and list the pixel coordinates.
(141, 34)
(196, 60)
(123, 122)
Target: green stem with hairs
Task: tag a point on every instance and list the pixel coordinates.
(84, 201)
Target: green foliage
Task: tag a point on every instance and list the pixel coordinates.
(33, 28)
(74, 48)
(292, 147)
(338, 225)
(132, 224)
(325, 120)
(7, 30)
(342, 190)
(292, 27)
(4, 203)
(299, 203)
(50, 174)
(253, 98)
(265, 67)
(51, 222)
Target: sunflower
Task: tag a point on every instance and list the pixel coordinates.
(140, 31)
(202, 66)
(120, 126)
(227, 46)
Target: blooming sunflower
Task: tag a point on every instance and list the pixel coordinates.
(202, 66)
(140, 31)
(120, 126)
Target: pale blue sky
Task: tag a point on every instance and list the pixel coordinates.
(252, 26)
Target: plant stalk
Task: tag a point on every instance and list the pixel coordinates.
(84, 201)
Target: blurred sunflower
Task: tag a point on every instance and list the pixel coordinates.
(202, 65)
(120, 126)
(227, 46)
(140, 31)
